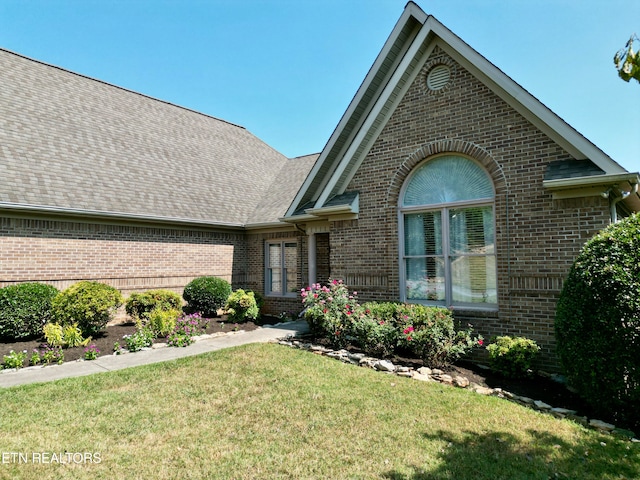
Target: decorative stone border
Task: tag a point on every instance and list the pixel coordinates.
(426, 374)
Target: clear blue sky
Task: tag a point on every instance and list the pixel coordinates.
(287, 69)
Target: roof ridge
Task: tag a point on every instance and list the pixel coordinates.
(166, 102)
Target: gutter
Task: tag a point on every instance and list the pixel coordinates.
(112, 216)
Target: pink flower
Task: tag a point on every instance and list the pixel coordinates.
(480, 342)
(407, 330)
(408, 339)
(381, 322)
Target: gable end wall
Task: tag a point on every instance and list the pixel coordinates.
(537, 238)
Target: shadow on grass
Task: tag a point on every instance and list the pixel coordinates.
(501, 455)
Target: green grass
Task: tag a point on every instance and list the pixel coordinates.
(267, 411)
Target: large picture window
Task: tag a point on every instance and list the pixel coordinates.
(281, 268)
(447, 231)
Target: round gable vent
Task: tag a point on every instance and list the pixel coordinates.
(438, 77)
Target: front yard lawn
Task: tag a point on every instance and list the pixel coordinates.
(268, 411)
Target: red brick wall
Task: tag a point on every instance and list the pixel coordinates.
(130, 258)
(537, 238)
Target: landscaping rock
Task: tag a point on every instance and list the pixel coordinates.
(422, 377)
(541, 405)
(384, 366)
(425, 371)
(600, 425)
(460, 381)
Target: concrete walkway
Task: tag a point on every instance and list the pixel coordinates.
(108, 363)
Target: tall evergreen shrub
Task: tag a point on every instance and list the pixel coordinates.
(598, 321)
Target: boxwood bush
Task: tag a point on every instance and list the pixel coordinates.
(24, 310)
(139, 305)
(598, 321)
(512, 356)
(206, 295)
(89, 304)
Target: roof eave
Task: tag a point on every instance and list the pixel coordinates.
(96, 215)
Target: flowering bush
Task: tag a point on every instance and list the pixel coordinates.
(430, 334)
(187, 327)
(91, 352)
(330, 311)
(378, 337)
(15, 359)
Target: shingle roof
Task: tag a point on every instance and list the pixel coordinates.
(571, 169)
(71, 142)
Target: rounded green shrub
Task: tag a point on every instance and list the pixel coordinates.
(139, 305)
(24, 309)
(598, 322)
(512, 356)
(89, 304)
(242, 306)
(206, 295)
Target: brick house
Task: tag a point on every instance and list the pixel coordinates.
(444, 183)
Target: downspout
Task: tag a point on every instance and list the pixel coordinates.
(612, 204)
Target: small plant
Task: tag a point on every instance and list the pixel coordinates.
(117, 349)
(140, 305)
(72, 336)
(15, 359)
(51, 354)
(90, 305)
(91, 352)
(187, 327)
(512, 357)
(206, 295)
(140, 339)
(24, 309)
(53, 334)
(35, 359)
(242, 306)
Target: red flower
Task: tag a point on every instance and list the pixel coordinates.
(408, 339)
(480, 342)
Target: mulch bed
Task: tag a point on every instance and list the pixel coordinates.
(112, 334)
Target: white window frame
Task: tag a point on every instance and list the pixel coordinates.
(283, 268)
(444, 209)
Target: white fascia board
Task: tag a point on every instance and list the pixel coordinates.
(526, 104)
(411, 10)
(373, 114)
(591, 181)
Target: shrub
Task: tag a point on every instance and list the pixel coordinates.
(162, 322)
(89, 304)
(242, 306)
(376, 336)
(24, 309)
(206, 295)
(512, 357)
(330, 310)
(598, 321)
(139, 305)
(430, 334)
(67, 336)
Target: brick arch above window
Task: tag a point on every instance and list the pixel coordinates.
(454, 146)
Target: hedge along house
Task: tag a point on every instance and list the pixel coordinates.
(445, 183)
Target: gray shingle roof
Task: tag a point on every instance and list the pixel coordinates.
(562, 169)
(71, 142)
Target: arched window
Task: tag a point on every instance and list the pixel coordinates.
(447, 235)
